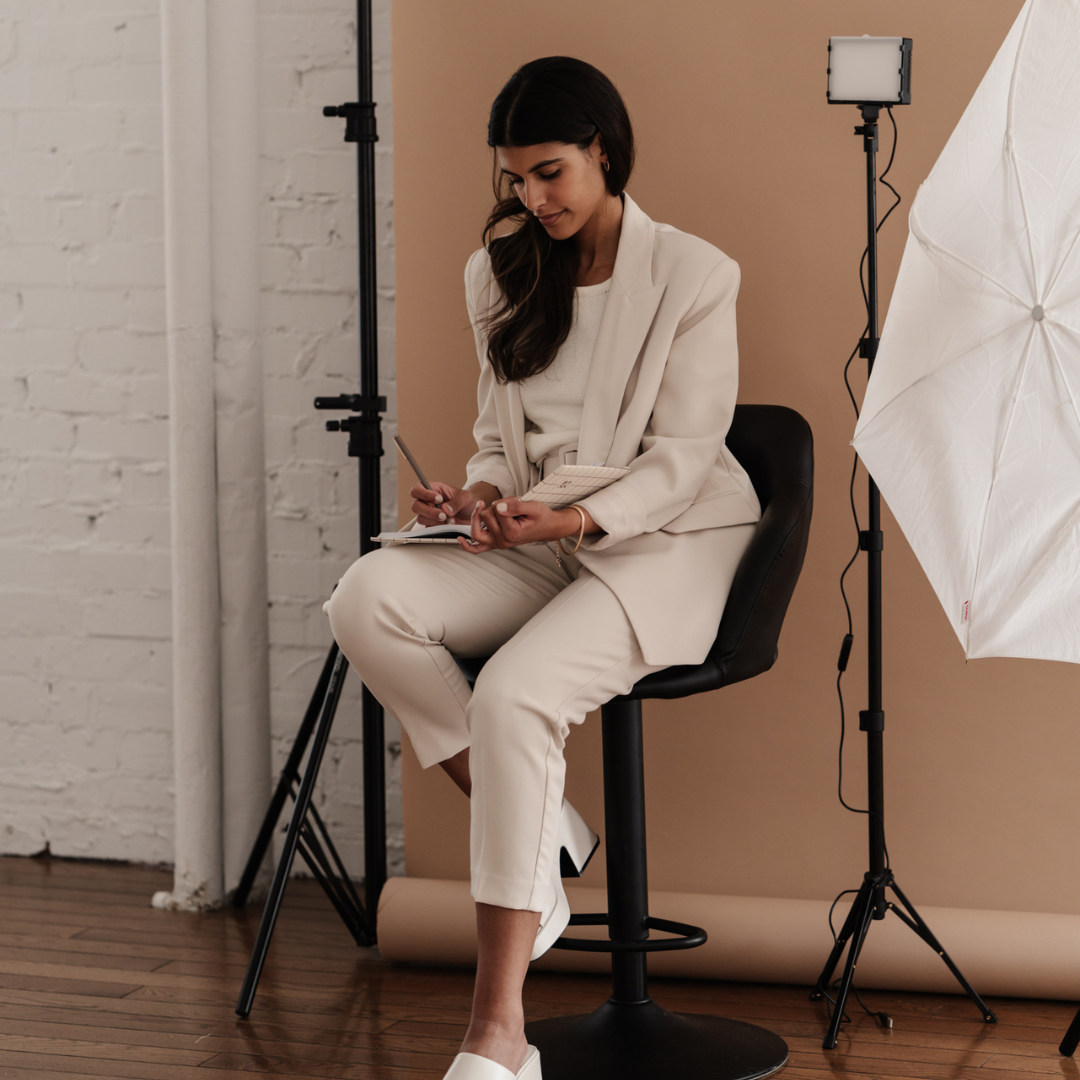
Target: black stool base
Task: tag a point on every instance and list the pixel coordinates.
(646, 1042)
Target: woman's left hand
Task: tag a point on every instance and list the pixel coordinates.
(511, 522)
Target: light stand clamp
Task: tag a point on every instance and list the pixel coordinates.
(364, 429)
(359, 117)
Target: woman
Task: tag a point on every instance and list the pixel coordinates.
(602, 337)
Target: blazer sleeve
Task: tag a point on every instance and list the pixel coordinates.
(685, 435)
(489, 463)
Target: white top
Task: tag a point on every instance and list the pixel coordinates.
(553, 399)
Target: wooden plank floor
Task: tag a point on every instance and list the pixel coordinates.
(94, 983)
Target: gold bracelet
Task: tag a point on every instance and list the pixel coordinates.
(581, 532)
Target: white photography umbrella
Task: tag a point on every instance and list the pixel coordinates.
(970, 424)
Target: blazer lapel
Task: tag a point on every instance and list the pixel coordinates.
(511, 416)
(628, 315)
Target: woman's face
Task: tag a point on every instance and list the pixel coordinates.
(557, 182)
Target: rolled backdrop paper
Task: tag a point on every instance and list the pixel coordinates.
(764, 939)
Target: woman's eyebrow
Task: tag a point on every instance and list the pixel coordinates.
(538, 165)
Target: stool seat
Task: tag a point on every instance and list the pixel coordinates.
(631, 1037)
(775, 446)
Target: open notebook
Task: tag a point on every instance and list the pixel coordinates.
(567, 484)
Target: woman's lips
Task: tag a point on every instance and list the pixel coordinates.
(551, 219)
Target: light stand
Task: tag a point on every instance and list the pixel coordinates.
(871, 902)
(306, 832)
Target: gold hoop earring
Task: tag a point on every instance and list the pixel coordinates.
(607, 166)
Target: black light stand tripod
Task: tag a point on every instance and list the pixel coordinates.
(306, 832)
(871, 902)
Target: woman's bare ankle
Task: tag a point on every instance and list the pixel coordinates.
(457, 768)
(502, 1041)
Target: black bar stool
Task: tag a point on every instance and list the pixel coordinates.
(630, 1037)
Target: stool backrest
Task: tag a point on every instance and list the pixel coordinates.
(776, 447)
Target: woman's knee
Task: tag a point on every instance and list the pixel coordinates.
(360, 608)
(508, 700)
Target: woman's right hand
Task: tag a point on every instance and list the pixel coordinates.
(442, 504)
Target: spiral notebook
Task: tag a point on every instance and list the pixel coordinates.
(570, 483)
(567, 484)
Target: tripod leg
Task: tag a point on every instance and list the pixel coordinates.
(311, 851)
(850, 924)
(344, 881)
(288, 774)
(864, 902)
(916, 923)
(1072, 1037)
(292, 837)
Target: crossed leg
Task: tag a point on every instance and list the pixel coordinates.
(558, 651)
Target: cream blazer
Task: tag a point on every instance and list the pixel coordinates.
(659, 399)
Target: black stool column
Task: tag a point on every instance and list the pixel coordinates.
(624, 843)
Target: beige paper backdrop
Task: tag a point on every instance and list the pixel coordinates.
(737, 144)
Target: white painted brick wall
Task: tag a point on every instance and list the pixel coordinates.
(85, 704)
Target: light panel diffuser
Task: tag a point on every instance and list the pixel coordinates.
(869, 71)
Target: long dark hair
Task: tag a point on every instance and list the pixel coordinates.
(554, 99)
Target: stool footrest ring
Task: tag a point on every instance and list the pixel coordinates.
(689, 937)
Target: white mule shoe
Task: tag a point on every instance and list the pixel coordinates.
(475, 1067)
(555, 917)
(577, 842)
(530, 1068)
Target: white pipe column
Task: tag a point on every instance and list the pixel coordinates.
(241, 498)
(195, 604)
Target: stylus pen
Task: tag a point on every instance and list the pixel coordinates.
(412, 462)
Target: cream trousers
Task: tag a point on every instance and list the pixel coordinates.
(559, 649)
